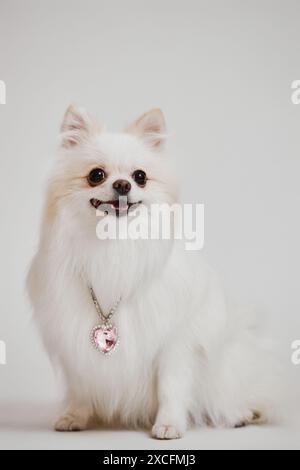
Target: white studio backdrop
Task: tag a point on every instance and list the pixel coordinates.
(222, 73)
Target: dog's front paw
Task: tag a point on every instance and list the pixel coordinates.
(166, 431)
(70, 423)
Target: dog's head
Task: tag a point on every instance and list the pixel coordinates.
(97, 168)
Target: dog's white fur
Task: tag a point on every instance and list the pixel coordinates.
(184, 356)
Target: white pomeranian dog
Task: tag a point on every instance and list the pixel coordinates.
(183, 358)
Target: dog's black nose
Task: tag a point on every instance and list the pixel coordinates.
(122, 187)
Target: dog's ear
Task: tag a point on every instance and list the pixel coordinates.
(151, 127)
(76, 126)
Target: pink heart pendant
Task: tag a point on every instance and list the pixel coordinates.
(105, 338)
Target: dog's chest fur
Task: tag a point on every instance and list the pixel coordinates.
(126, 379)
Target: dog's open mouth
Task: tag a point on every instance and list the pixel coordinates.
(118, 206)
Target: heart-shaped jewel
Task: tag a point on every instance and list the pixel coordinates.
(105, 338)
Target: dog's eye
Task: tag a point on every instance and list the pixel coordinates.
(96, 176)
(140, 177)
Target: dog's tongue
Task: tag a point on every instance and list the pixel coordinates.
(116, 204)
(121, 206)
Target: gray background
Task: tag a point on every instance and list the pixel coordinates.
(222, 73)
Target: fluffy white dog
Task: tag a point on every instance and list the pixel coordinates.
(184, 357)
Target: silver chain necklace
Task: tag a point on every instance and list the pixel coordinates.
(105, 336)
